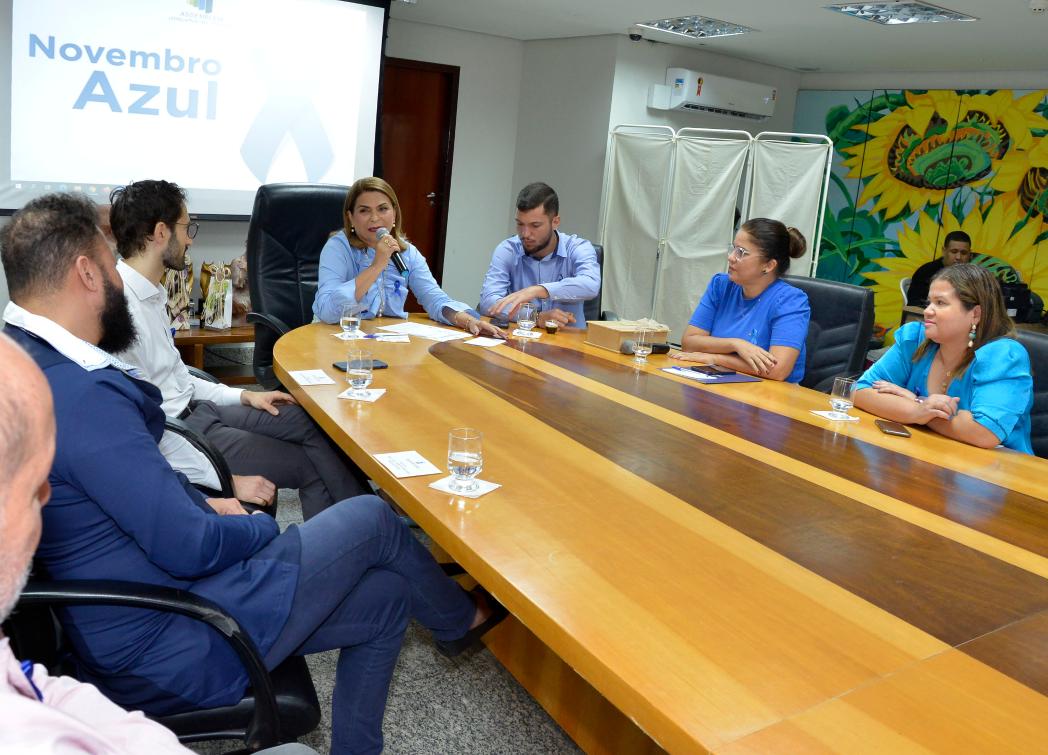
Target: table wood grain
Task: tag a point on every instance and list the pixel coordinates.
(730, 571)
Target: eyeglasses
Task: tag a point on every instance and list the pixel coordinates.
(738, 252)
(191, 229)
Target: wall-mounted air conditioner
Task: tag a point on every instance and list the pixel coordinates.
(688, 90)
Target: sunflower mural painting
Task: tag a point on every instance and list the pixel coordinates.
(914, 165)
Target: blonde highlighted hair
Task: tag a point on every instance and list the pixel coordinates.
(371, 183)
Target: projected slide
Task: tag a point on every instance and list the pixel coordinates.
(218, 95)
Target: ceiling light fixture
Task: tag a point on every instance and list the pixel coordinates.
(899, 12)
(696, 27)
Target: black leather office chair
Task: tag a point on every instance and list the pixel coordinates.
(280, 705)
(591, 309)
(290, 223)
(1037, 346)
(839, 331)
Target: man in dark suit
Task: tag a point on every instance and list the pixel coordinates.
(350, 578)
(956, 248)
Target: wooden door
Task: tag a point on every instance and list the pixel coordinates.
(418, 136)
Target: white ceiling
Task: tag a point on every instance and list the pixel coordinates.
(795, 34)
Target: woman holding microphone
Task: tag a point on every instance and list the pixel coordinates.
(357, 266)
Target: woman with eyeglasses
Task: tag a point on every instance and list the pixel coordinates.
(748, 319)
(357, 268)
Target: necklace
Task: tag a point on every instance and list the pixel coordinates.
(948, 376)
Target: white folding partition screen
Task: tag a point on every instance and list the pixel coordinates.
(639, 167)
(790, 179)
(707, 174)
(669, 204)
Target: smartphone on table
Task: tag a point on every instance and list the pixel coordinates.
(376, 364)
(888, 427)
(709, 369)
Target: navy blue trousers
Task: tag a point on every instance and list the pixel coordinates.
(363, 576)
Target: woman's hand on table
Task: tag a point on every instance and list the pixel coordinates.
(759, 359)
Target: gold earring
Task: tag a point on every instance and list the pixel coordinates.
(971, 336)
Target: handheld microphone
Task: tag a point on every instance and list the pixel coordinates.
(398, 261)
(630, 347)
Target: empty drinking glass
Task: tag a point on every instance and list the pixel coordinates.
(526, 316)
(358, 372)
(465, 458)
(350, 320)
(841, 398)
(642, 346)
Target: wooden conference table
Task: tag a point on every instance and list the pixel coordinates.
(729, 571)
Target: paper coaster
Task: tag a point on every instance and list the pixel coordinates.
(834, 419)
(373, 395)
(526, 333)
(485, 341)
(483, 487)
(356, 336)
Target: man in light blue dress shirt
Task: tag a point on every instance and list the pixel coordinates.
(556, 271)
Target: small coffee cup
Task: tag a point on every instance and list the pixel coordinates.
(551, 326)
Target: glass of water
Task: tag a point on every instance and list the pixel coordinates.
(350, 320)
(526, 316)
(841, 398)
(358, 372)
(465, 458)
(642, 346)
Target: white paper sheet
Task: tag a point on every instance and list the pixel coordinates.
(311, 377)
(407, 464)
(483, 487)
(373, 395)
(684, 372)
(834, 419)
(484, 341)
(430, 332)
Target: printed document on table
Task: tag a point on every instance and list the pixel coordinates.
(430, 332)
(311, 377)
(406, 464)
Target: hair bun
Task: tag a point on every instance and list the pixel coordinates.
(797, 243)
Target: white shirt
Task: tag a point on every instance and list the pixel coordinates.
(154, 353)
(73, 717)
(87, 355)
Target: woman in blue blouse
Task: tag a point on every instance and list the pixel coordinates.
(748, 319)
(960, 372)
(356, 267)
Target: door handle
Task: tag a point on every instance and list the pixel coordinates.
(432, 197)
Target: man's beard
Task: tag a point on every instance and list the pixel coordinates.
(118, 329)
(9, 593)
(538, 247)
(174, 255)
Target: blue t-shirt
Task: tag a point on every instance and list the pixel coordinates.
(778, 317)
(997, 387)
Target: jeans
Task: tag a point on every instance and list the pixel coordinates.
(362, 576)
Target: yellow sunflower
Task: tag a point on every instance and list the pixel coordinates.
(942, 141)
(1025, 172)
(992, 236)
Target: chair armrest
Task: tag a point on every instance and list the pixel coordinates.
(278, 326)
(203, 445)
(202, 374)
(265, 726)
